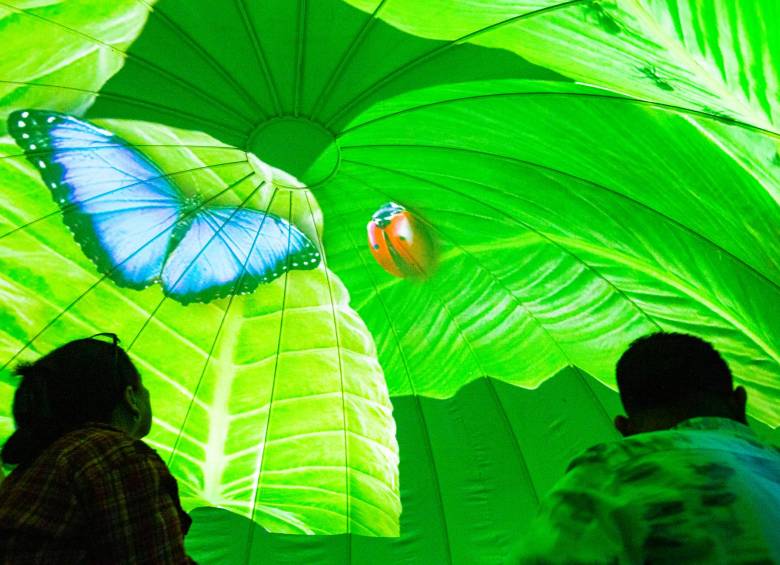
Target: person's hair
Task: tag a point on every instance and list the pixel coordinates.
(81, 381)
(671, 371)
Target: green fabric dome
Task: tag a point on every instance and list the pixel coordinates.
(589, 171)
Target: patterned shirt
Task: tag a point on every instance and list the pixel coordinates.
(94, 495)
(706, 491)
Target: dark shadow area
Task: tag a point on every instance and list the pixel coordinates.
(225, 67)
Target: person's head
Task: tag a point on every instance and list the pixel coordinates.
(666, 378)
(86, 380)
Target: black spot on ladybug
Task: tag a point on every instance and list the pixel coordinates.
(402, 238)
(376, 246)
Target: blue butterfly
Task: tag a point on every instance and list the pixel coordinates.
(136, 225)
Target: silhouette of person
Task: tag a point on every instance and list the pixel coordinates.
(85, 488)
(689, 483)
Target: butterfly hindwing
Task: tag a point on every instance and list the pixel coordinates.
(232, 250)
(119, 206)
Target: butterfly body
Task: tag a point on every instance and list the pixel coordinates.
(139, 229)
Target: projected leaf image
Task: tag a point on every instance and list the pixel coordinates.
(272, 404)
(577, 173)
(451, 113)
(63, 65)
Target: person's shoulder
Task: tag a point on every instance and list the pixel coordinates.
(697, 434)
(625, 450)
(710, 434)
(95, 437)
(101, 446)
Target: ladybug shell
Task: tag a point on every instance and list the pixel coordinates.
(402, 245)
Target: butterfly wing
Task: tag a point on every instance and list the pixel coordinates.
(120, 208)
(223, 243)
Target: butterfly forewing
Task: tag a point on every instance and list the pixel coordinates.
(119, 206)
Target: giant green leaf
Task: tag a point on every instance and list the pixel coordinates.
(571, 218)
(57, 54)
(712, 56)
(707, 58)
(547, 254)
(271, 404)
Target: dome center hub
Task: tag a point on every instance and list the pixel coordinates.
(298, 146)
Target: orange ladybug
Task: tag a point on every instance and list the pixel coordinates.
(400, 243)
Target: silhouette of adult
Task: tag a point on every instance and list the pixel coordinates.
(85, 488)
(689, 483)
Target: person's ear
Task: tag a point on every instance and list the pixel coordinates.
(131, 400)
(623, 425)
(739, 404)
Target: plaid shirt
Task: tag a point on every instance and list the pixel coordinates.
(705, 492)
(94, 495)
